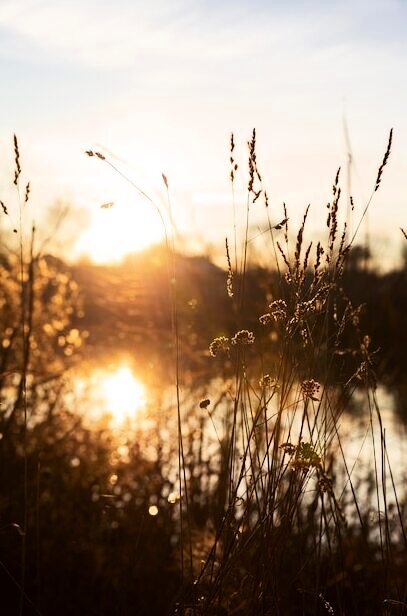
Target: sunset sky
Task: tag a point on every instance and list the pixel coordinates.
(162, 84)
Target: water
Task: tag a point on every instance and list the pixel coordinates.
(118, 393)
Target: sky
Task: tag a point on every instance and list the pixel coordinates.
(158, 86)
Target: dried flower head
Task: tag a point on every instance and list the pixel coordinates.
(310, 388)
(305, 457)
(243, 337)
(266, 319)
(288, 448)
(219, 345)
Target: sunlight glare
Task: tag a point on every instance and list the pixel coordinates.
(123, 394)
(122, 228)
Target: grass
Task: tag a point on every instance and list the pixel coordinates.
(259, 509)
(283, 513)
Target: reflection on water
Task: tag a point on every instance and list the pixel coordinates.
(124, 395)
(112, 391)
(115, 391)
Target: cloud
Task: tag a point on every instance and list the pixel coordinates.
(123, 34)
(91, 33)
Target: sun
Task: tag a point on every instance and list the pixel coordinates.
(123, 395)
(118, 228)
(112, 391)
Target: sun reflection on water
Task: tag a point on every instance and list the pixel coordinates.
(123, 394)
(113, 391)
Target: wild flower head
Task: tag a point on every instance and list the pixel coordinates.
(305, 457)
(288, 448)
(310, 389)
(243, 337)
(266, 319)
(219, 345)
